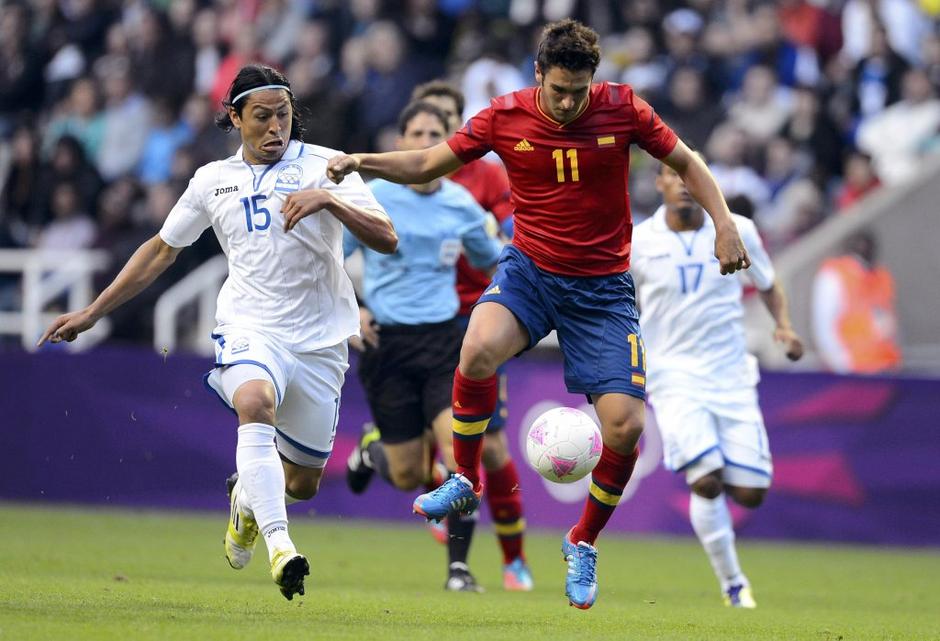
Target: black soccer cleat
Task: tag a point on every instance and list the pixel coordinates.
(459, 579)
(359, 470)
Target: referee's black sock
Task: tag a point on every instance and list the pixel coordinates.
(378, 461)
(459, 536)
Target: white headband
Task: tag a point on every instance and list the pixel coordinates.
(261, 88)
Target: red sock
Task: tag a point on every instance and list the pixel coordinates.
(607, 482)
(505, 499)
(474, 403)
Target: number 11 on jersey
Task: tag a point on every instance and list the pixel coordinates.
(559, 156)
(637, 351)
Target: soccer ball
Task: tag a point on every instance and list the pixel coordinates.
(563, 445)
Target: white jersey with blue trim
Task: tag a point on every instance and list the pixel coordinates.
(690, 314)
(289, 285)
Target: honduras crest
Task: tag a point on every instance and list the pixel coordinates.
(289, 178)
(239, 345)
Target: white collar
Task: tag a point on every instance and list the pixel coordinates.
(292, 151)
(659, 221)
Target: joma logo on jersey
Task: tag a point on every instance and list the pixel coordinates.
(225, 190)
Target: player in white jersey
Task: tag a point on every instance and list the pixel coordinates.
(701, 381)
(284, 313)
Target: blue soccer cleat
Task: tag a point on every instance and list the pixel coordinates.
(438, 530)
(581, 581)
(455, 495)
(517, 577)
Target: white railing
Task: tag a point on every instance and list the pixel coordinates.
(47, 275)
(200, 286)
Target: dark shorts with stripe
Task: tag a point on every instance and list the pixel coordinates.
(595, 317)
(409, 378)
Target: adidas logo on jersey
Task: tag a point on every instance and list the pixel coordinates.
(492, 291)
(524, 145)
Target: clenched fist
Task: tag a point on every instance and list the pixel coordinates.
(341, 166)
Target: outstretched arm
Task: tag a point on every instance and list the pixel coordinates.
(405, 167)
(149, 261)
(729, 249)
(372, 227)
(775, 299)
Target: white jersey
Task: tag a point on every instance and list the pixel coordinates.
(690, 314)
(289, 286)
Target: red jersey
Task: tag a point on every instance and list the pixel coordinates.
(569, 181)
(488, 184)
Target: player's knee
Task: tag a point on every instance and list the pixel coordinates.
(407, 478)
(750, 497)
(478, 359)
(303, 488)
(623, 431)
(708, 487)
(255, 406)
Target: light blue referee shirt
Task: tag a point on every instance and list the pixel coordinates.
(417, 284)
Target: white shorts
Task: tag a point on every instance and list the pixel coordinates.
(307, 387)
(727, 434)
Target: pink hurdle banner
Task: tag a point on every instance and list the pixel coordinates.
(856, 459)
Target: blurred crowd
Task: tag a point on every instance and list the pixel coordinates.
(106, 107)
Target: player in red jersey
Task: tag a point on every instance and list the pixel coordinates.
(565, 145)
(488, 183)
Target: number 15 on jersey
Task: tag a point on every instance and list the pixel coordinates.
(253, 210)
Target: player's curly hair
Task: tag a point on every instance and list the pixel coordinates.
(439, 88)
(249, 77)
(570, 45)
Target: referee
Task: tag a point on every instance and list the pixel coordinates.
(411, 337)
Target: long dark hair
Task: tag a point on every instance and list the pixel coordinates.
(250, 77)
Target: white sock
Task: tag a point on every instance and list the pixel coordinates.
(262, 479)
(711, 521)
(243, 500)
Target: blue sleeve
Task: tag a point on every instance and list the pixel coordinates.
(350, 243)
(508, 226)
(482, 250)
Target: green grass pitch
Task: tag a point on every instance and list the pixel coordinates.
(75, 574)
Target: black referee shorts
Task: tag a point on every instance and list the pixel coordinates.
(409, 379)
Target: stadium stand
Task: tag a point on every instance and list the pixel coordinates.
(106, 108)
